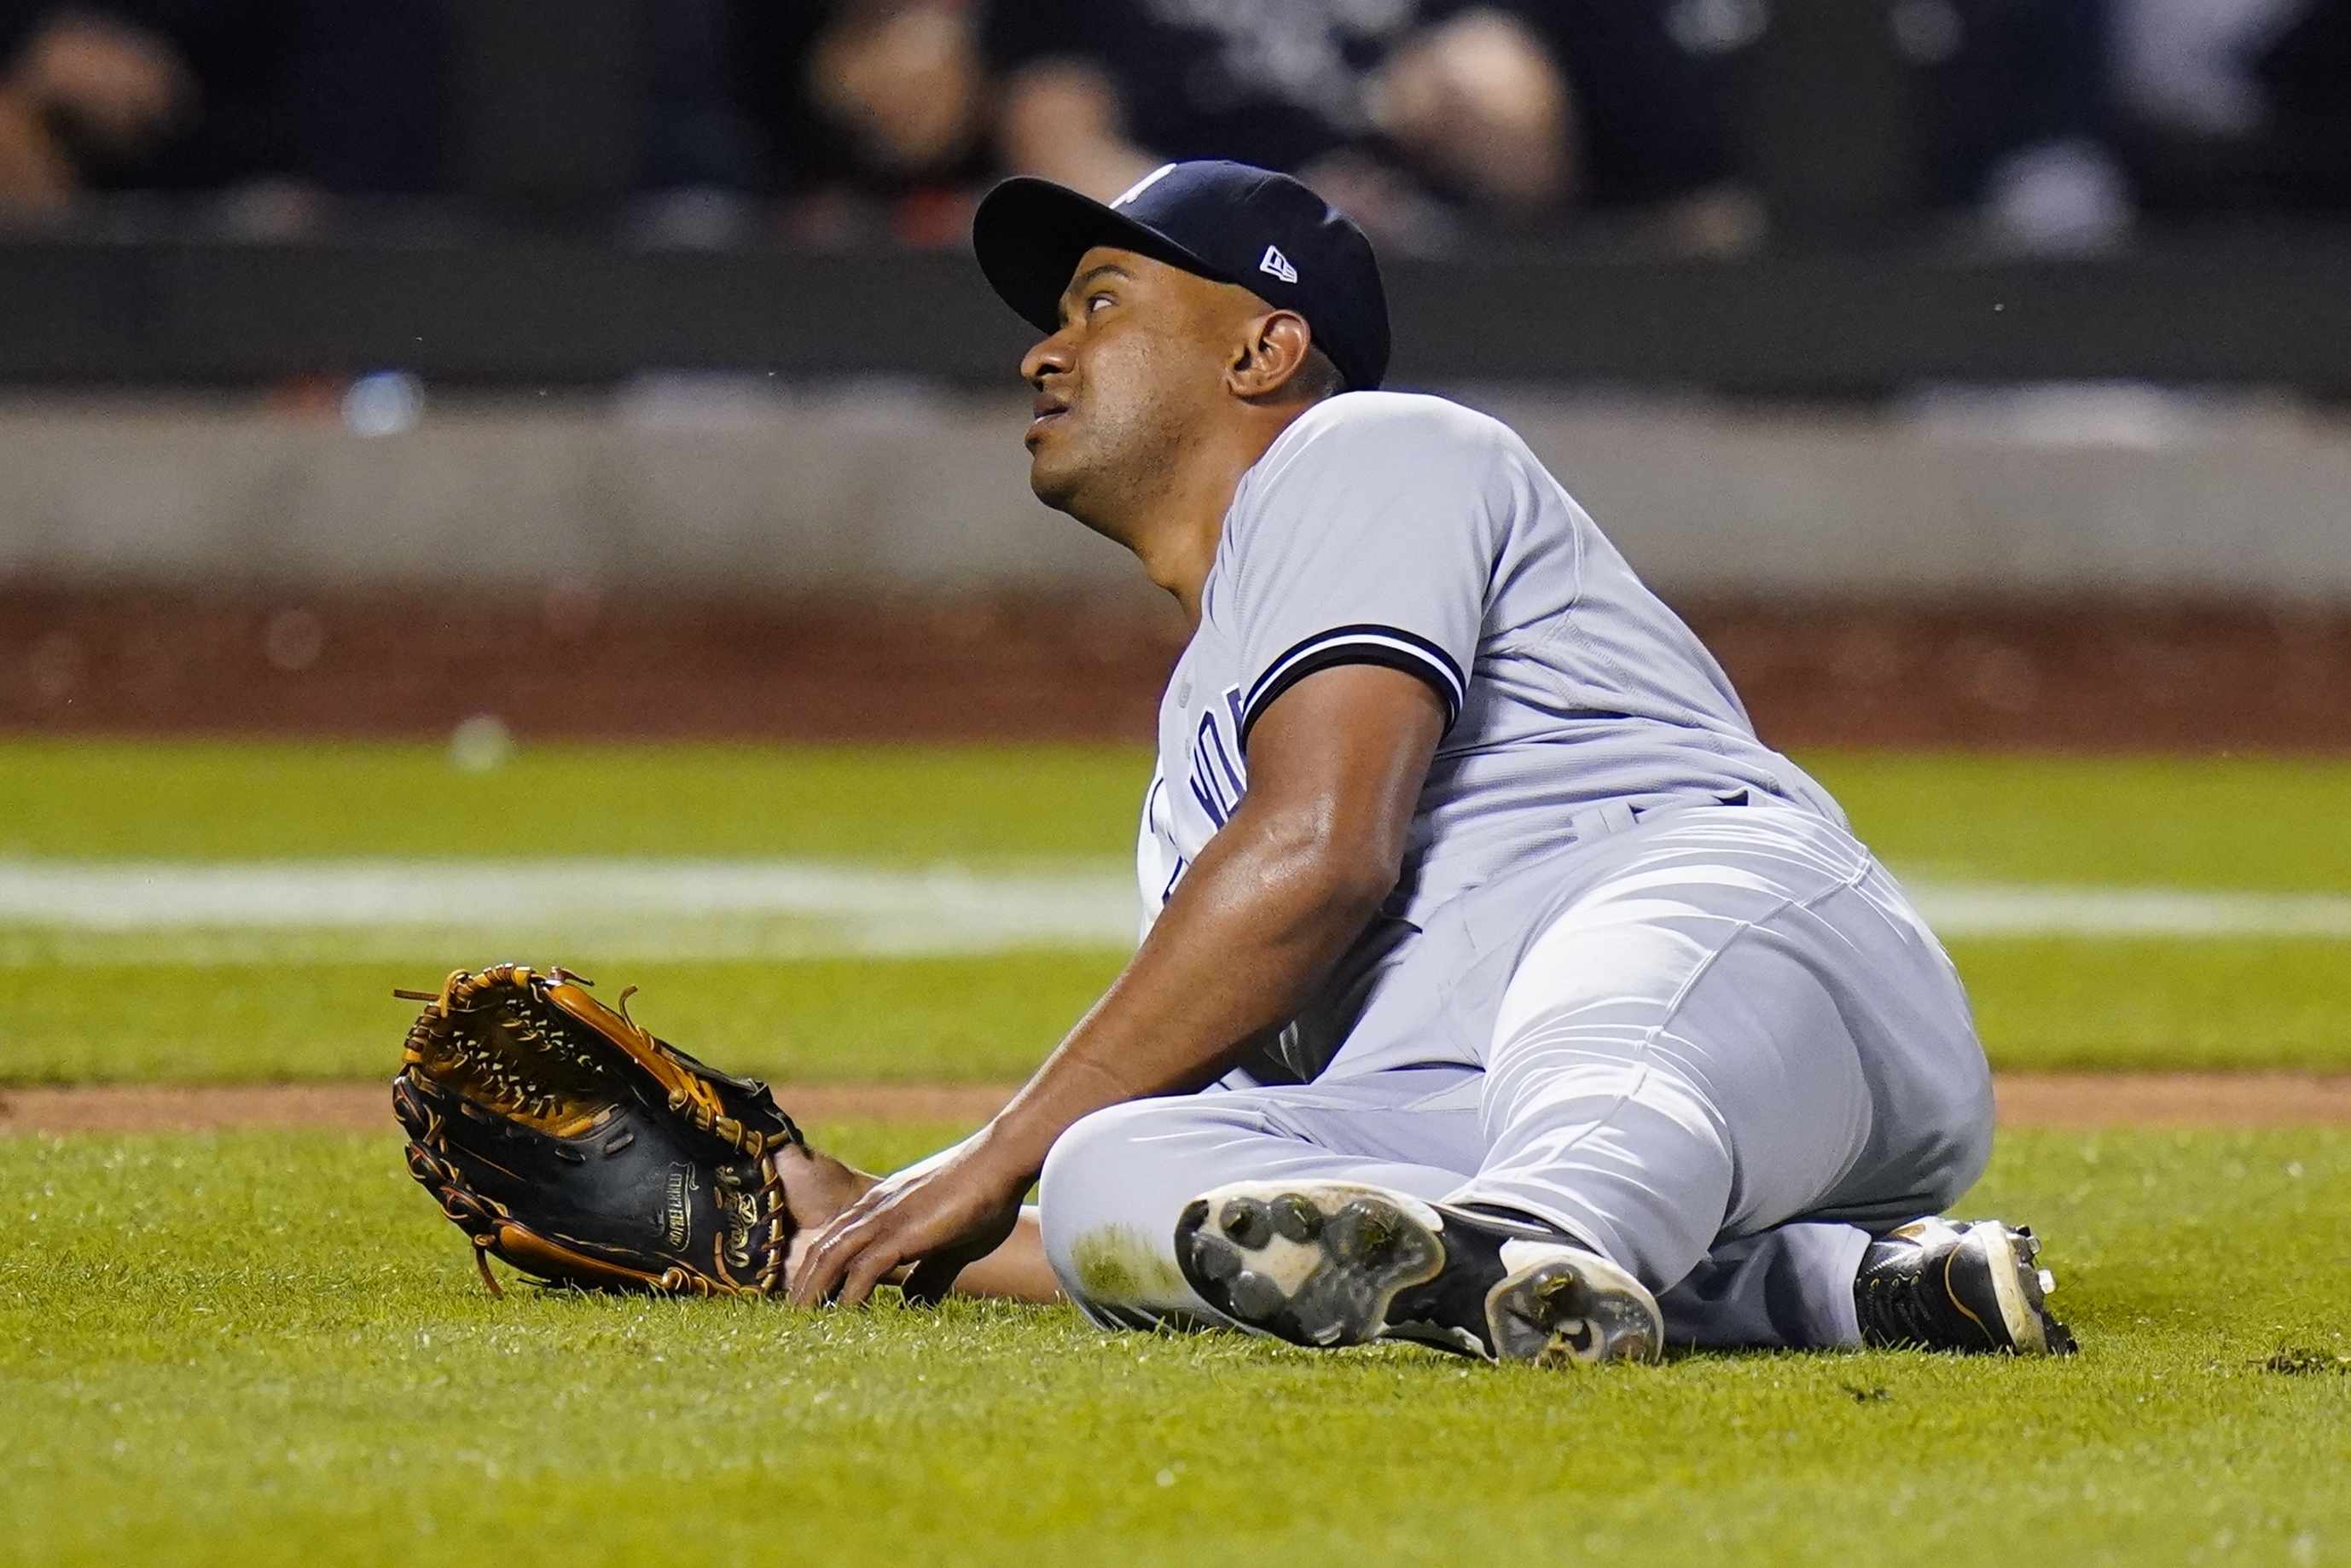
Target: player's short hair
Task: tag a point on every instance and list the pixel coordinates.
(1318, 378)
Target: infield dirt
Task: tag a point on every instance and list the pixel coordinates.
(2044, 1100)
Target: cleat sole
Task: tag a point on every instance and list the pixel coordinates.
(1319, 1264)
(2021, 1291)
(1571, 1307)
(1316, 1264)
(2008, 1272)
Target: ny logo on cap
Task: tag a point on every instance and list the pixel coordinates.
(1277, 265)
(1143, 185)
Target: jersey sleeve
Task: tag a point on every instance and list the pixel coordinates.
(1371, 540)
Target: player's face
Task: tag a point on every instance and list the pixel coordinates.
(1138, 360)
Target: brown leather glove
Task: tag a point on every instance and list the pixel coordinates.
(571, 1143)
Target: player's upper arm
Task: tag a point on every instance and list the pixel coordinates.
(1338, 762)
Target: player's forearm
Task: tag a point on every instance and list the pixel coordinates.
(1258, 920)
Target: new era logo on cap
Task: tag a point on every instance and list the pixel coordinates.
(1277, 265)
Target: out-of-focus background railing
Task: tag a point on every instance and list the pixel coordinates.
(1989, 350)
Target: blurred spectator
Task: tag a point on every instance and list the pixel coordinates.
(2189, 66)
(566, 111)
(2020, 118)
(282, 102)
(2307, 75)
(885, 115)
(79, 92)
(695, 136)
(1651, 86)
(1648, 88)
(1854, 120)
(1361, 98)
(870, 110)
(2236, 103)
(201, 94)
(903, 79)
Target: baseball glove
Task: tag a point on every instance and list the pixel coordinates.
(565, 1139)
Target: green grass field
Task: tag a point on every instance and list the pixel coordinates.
(268, 1348)
(2247, 824)
(2040, 1004)
(261, 1349)
(2219, 823)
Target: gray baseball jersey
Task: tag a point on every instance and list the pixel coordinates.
(1717, 1045)
(1409, 531)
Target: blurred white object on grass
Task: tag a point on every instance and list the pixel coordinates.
(480, 744)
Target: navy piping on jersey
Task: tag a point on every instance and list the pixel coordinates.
(1389, 646)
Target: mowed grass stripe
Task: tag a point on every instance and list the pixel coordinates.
(2265, 826)
(2249, 823)
(221, 799)
(2040, 1005)
(935, 1019)
(270, 1348)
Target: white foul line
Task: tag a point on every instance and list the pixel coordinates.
(182, 910)
(191, 912)
(1991, 909)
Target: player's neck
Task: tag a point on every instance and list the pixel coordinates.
(1175, 528)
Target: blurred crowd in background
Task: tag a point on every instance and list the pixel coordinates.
(2028, 125)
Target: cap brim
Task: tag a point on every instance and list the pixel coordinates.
(1029, 234)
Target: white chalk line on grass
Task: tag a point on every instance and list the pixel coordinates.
(92, 912)
(184, 912)
(156, 895)
(1959, 909)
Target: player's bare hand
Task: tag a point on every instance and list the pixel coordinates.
(935, 1217)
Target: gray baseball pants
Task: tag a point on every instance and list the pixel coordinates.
(1730, 1052)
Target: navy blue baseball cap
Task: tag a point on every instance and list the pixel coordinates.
(1229, 222)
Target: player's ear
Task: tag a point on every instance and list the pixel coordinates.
(1272, 354)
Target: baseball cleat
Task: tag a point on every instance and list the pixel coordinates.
(1334, 1263)
(1934, 1285)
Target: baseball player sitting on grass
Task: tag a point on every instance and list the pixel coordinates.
(1500, 989)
